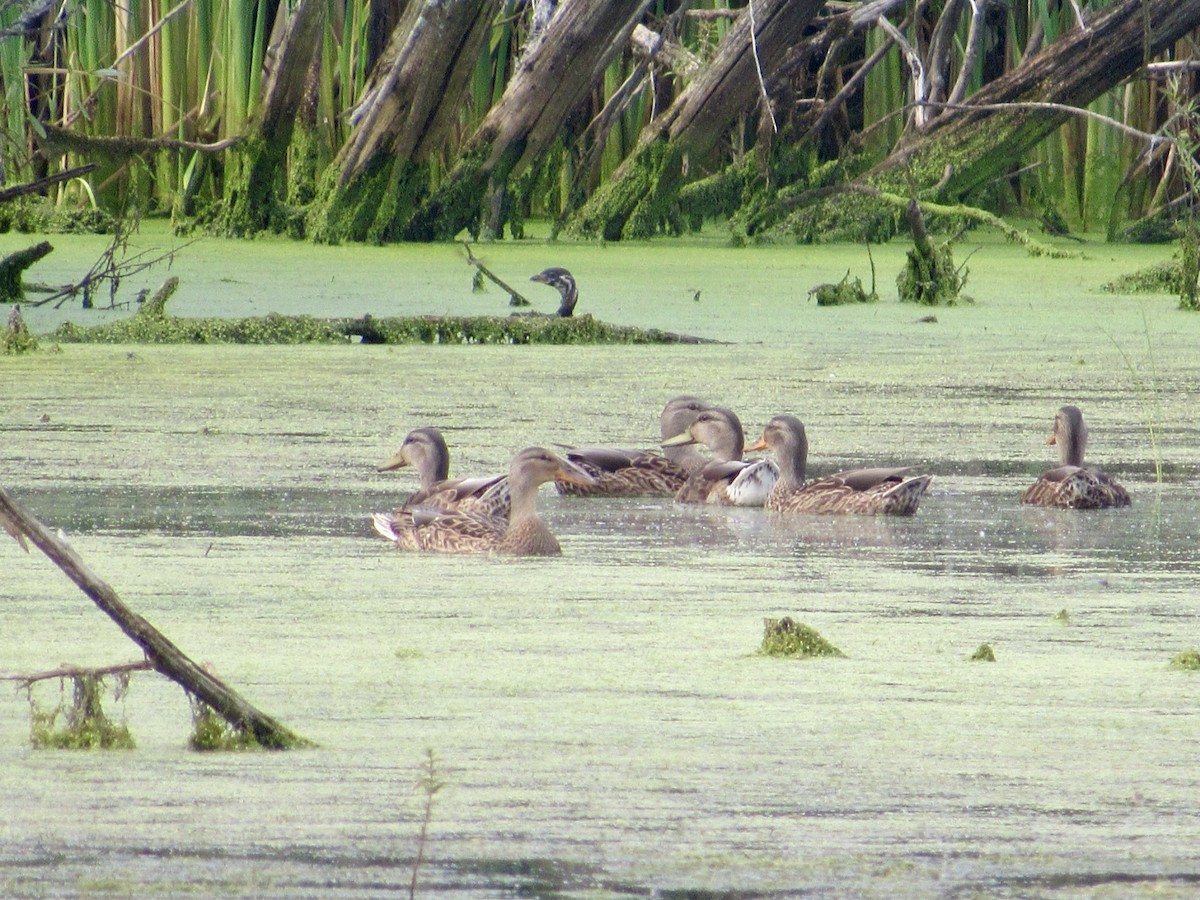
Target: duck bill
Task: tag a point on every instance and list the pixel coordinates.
(1053, 439)
(760, 444)
(399, 461)
(570, 473)
(680, 440)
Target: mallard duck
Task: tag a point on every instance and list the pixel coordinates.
(632, 473)
(862, 491)
(425, 450)
(1072, 485)
(560, 278)
(465, 531)
(726, 479)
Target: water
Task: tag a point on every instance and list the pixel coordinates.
(602, 722)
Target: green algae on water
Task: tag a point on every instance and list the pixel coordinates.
(86, 726)
(787, 637)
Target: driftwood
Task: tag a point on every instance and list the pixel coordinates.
(161, 653)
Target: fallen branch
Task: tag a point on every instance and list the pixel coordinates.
(161, 653)
(65, 671)
(515, 298)
(41, 184)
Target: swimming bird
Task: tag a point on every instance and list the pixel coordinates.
(631, 473)
(726, 479)
(425, 450)
(877, 491)
(465, 531)
(560, 278)
(1071, 484)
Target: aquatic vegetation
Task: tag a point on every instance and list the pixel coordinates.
(274, 328)
(86, 726)
(16, 337)
(1160, 278)
(1062, 617)
(211, 732)
(787, 637)
(429, 784)
(1187, 660)
(984, 653)
(845, 291)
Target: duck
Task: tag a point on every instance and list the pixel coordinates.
(425, 449)
(726, 479)
(564, 281)
(522, 533)
(1071, 484)
(876, 491)
(640, 473)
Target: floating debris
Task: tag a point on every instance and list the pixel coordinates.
(787, 637)
(983, 654)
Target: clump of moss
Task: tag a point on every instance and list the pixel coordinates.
(17, 338)
(984, 653)
(211, 732)
(845, 291)
(86, 727)
(1062, 617)
(1161, 278)
(787, 637)
(1186, 660)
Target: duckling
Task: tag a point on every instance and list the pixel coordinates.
(631, 473)
(1071, 484)
(465, 531)
(860, 491)
(560, 278)
(726, 479)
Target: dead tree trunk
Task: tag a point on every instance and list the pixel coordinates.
(982, 139)
(162, 653)
(554, 75)
(252, 192)
(636, 201)
(408, 108)
(12, 269)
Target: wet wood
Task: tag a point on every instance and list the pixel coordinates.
(160, 652)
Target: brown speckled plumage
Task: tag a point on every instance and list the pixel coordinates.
(727, 479)
(425, 450)
(634, 473)
(877, 491)
(1072, 485)
(468, 531)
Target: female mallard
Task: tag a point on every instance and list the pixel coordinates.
(861, 491)
(560, 278)
(466, 531)
(1072, 485)
(633, 473)
(425, 450)
(726, 479)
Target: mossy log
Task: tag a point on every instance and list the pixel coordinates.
(637, 200)
(252, 191)
(974, 143)
(13, 266)
(280, 329)
(160, 651)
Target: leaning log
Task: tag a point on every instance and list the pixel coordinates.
(160, 651)
(983, 138)
(636, 201)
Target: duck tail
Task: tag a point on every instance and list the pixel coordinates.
(385, 526)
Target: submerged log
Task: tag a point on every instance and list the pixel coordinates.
(160, 651)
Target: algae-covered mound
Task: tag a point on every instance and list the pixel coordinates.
(984, 653)
(1187, 660)
(1161, 278)
(787, 637)
(159, 328)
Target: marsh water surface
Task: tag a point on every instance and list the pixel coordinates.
(602, 722)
